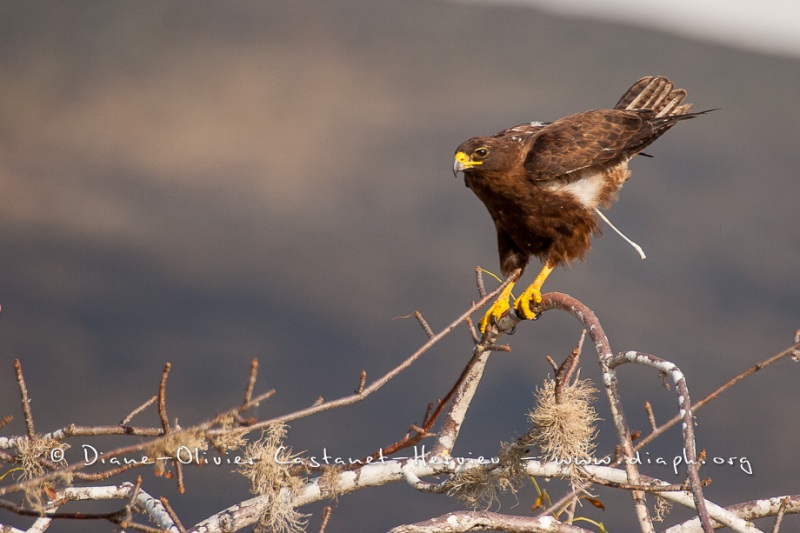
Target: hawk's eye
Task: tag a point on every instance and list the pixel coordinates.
(481, 152)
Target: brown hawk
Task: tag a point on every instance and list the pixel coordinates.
(543, 183)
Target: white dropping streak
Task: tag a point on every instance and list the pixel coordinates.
(635, 246)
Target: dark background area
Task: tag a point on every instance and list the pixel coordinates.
(207, 183)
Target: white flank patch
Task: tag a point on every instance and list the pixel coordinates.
(585, 190)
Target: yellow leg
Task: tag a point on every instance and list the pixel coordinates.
(533, 294)
(497, 309)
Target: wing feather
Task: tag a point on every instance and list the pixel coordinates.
(583, 140)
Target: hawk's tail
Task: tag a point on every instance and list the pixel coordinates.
(655, 93)
(657, 100)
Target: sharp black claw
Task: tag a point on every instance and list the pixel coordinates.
(536, 314)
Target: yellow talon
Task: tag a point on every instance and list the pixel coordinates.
(532, 295)
(523, 305)
(498, 308)
(526, 302)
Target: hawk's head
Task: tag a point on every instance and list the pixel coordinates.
(472, 153)
(484, 154)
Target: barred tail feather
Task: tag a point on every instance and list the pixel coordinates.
(656, 93)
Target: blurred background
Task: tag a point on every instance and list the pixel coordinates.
(205, 183)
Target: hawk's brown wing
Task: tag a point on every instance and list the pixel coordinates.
(649, 108)
(585, 139)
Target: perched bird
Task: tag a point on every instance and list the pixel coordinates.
(543, 183)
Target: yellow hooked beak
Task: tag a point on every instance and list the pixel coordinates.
(463, 162)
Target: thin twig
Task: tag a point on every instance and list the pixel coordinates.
(162, 400)
(326, 517)
(573, 505)
(499, 348)
(424, 324)
(571, 364)
(106, 474)
(651, 417)
(472, 331)
(255, 401)
(362, 380)
(479, 281)
(142, 527)
(421, 320)
(135, 491)
(90, 431)
(779, 517)
(138, 410)
(796, 351)
(26, 406)
(179, 477)
(567, 368)
(251, 381)
(171, 512)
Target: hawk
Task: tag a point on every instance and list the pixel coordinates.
(543, 183)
